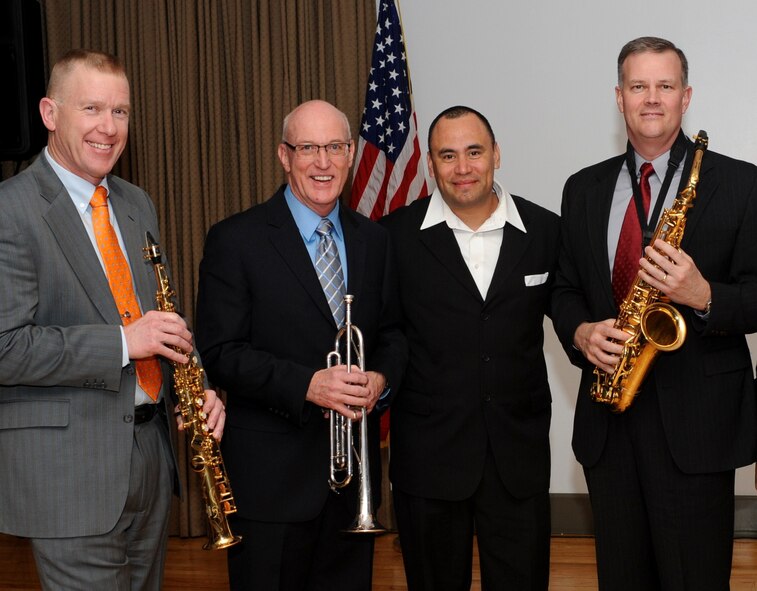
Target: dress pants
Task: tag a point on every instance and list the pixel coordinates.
(656, 527)
(131, 556)
(312, 555)
(513, 538)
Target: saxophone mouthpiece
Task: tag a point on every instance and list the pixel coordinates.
(151, 249)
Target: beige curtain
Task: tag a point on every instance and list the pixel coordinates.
(211, 81)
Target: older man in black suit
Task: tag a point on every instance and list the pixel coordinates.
(470, 426)
(272, 281)
(661, 475)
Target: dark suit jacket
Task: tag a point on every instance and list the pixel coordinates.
(66, 404)
(476, 375)
(705, 388)
(264, 328)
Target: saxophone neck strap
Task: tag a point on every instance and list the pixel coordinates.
(677, 154)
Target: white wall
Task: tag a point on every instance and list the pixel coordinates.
(544, 73)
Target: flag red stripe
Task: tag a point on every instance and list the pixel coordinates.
(388, 168)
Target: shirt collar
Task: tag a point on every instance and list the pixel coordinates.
(660, 164)
(78, 189)
(505, 213)
(307, 220)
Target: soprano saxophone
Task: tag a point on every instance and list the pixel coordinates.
(206, 453)
(653, 325)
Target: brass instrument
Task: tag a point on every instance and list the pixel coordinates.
(342, 449)
(190, 390)
(652, 323)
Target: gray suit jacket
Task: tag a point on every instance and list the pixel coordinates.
(66, 404)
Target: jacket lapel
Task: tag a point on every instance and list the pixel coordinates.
(598, 203)
(132, 233)
(356, 253)
(440, 241)
(286, 239)
(708, 183)
(74, 242)
(514, 247)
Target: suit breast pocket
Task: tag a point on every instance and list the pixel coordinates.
(536, 279)
(25, 414)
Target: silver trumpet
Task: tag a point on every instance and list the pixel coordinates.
(350, 339)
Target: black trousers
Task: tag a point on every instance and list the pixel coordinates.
(307, 556)
(656, 527)
(437, 538)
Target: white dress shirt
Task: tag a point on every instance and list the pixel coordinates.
(480, 248)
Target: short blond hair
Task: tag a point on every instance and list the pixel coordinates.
(96, 60)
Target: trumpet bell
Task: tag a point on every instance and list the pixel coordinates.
(370, 525)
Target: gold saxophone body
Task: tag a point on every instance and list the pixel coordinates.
(652, 324)
(189, 385)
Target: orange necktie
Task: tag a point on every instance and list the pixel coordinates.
(119, 277)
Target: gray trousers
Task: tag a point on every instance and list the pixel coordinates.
(130, 557)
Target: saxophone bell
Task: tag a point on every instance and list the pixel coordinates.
(663, 327)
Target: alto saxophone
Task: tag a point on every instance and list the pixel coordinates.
(190, 390)
(652, 324)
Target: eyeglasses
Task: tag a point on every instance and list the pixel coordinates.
(310, 151)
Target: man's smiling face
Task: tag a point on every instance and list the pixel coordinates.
(88, 118)
(316, 181)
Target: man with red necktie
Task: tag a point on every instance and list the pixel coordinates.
(661, 474)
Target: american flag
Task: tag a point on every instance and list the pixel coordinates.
(388, 166)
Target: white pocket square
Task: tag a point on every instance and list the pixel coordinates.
(532, 280)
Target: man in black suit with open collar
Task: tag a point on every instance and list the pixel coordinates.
(470, 426)
(265, 327)
(661, 474)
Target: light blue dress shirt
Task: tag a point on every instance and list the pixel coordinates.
(307, 221)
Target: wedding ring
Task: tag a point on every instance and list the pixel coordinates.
(664, 277)
(354, 415)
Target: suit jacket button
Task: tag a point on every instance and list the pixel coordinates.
(128, 418)
(485, 358)
(487, 398)
(484, 316)
(130, 369)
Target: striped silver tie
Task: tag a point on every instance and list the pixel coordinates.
(329, 269)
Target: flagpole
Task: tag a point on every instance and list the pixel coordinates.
(407, 57)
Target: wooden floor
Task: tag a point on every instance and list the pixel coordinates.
(189, 568)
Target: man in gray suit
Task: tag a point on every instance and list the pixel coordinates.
(86, 464)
